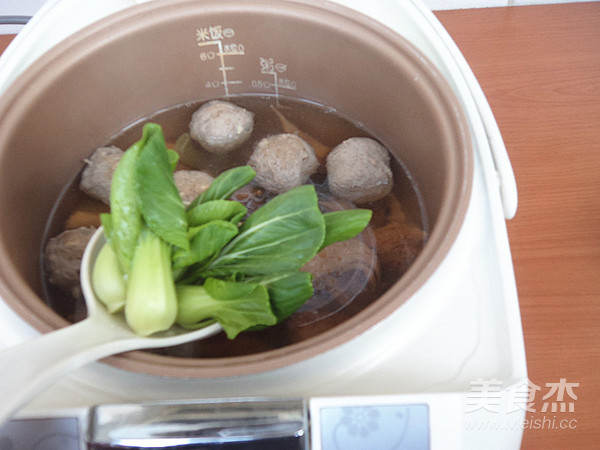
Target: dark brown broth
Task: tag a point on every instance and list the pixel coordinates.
(401, 214)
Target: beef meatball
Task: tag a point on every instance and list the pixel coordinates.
(97, 174)
(96, 177)
(282, 162)
(62, 258)
(358, 170)
(191, 183)
(221, 126)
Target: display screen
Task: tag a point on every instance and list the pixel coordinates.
(379, 427)
(40, 434)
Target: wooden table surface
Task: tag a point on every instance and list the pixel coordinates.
(540, 69)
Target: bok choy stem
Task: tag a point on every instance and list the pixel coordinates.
(151, 304)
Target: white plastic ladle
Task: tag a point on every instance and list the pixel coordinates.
(27, 368)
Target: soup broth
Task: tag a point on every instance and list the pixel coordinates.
(398, 220)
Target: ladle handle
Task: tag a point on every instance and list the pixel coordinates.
(29, 367)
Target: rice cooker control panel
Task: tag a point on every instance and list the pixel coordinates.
(327, 423)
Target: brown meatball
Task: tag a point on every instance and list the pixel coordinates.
(358, 170)
(282, 162)
(96, 177)
(191, 183)
(98, 172)
(221, 126)
(62, 258)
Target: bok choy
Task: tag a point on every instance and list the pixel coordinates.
(193, 266)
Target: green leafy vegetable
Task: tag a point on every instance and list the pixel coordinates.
(288, 292)
(206, 241)
(124, 223)
(281, 236)
(159, 200)
(216, 210)
(236, 306)
(151, 303)
(208, 262)
(225, 185)
(107, 280)
(344, 225)
(173, 158)
(146, 221)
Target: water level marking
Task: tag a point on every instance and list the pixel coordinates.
(213, 36)
(269, 66)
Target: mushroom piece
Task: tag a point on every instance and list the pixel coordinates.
(62, 258)
(97, 174)
(403, 239)
(359, 170)
(191, 183)
(252, 196)
(403, 243)
(282, 162)
(221, 126)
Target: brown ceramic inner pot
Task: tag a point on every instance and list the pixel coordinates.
(147, 58)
